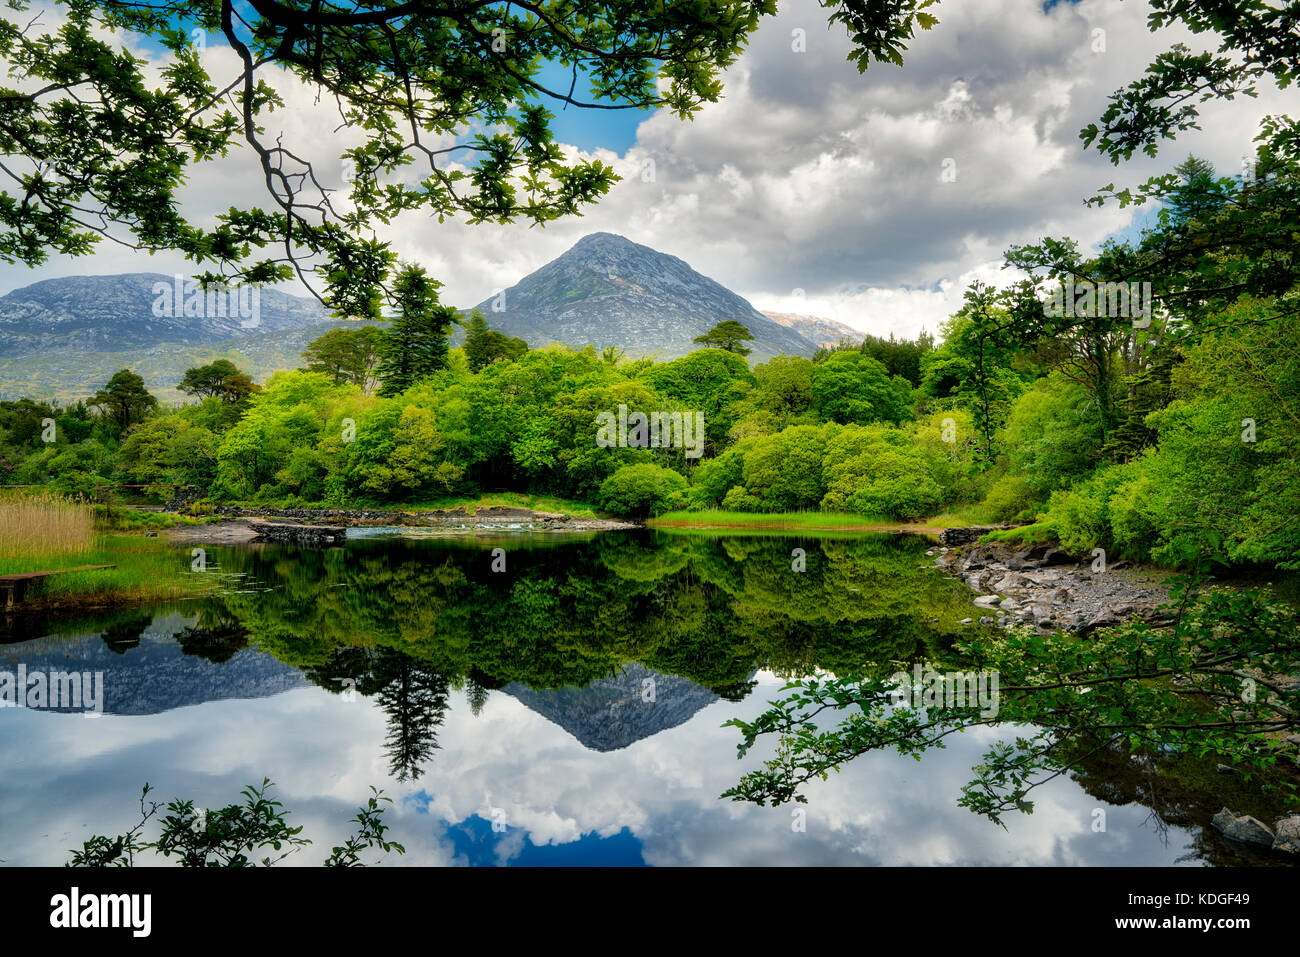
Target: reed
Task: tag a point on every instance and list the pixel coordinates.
(35, 524)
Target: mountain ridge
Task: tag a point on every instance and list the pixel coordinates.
(61, 338)
(607, 290)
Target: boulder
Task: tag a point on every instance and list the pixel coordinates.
(1243, 828)
(1288, 835)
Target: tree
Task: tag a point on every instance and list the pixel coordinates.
(415, 346)
(407, 76)
(641, 490)
(414, 74)
(347, 355)
(124, 401)
(729, 335)
(484, 345)
(220, 379)
(850, 387)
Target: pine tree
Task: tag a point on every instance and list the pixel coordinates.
(415, 346)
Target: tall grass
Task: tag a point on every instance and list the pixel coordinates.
(773, 520)
(35, 524)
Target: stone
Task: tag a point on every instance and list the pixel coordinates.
(966, 621)
(1057, 556)
(1288, 835)
(987, 601)
(1008, 583)
(1243, 828)
(1010, 604)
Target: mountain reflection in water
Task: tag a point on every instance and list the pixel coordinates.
(568, 710)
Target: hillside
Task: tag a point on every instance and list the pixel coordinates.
(609, 291)
(823, 332)
(63, 338)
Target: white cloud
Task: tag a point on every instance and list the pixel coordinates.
(807, 175)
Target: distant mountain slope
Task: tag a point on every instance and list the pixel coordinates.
(824, 332)
(70, 374)
(117, 314)
(610, 291)
(63, 338)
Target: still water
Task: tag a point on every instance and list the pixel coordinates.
(567, 708)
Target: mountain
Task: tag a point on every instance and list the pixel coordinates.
(611, 713)
(63, 338)
(68, 374)
(138, 311)
(609, 291)
(823, 332)
(152, 672)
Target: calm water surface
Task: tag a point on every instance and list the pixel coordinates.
(566, 710)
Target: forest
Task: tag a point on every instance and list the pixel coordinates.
(1171, 438)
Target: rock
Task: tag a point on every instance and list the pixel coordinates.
(966, 621)
(1008, 583)
(1010, 604)
(1225, 769)
(987, 621)
(1041, 612)
(1288, 835)
(1057, 556)
(1243, 828)
(313, 535)
(987, 601)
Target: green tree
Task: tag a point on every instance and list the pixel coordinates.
(124, 401)
(220, 379)
(850, 387)
(484, 345)
(729, 335)
(637, 491)
(348, 355)
(415, 345)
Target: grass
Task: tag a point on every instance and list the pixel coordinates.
(118, 519)
(1038, 532)
(33, 524)
(43, 530)
(539, 503)
(147, 570)
(780, 521)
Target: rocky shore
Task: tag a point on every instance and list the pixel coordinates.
(1049, 589)
(239, 524)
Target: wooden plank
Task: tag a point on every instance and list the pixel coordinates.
(29, 576)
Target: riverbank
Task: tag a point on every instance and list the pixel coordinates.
(711, 519)
(145, 569)
(238, 524)
(1049, 589)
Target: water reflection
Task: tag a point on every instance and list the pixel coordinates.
(568, 710)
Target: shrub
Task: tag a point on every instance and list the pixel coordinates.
(1010, 498)
(636, 491)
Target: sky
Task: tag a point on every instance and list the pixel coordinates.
(873, 199)
(654, 802)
